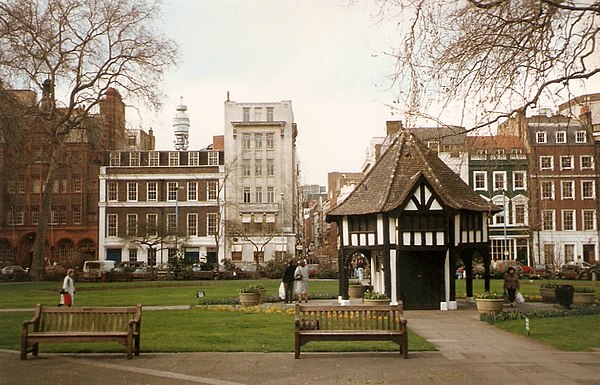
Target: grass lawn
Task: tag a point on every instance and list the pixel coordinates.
(566, 333)
(198, 329)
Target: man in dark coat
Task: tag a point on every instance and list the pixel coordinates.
(288, 281)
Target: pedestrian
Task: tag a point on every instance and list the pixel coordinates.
(360, 269)
(288, 281)
(511, 285)
(301, 278)
(67, 293)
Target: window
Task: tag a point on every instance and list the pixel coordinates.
(588, 188)
(580, 137)
(270, 167)
(589, 219)
(519, 180)
(259, 194)
(270, 141)
(212, 190)
(76, 181)
(568, 220)
(246, 114)
(246, 195)
(499, 180)
(499, 201)
(111, 225)
(152, 225)
(270, 194)
(192, 191)
(269, 114)
(153, 159)
(257, 114)
(133, 255)
(132, 192)
(115, 159)
(520, 214)
(246, 142)
(546, 163)
(258, 167)
(549, 254)
(171, 223)
(192, 225)
(587, 162)
(567, 188)
(152, 191)
(561, 137)
(132, 225)
(35, 215)
(112, 195)
(172, 190)
(211, 223)
(36, 186)
(480, 180)
(76, 214)
(566, 162)
(193, 158)
(246, 168)
(569, 252)
(540, 137)
(258, 141)
(152, 257)
(213, 158)
(134, 159)
(21, 185)
(173, 159)
(547, 190)
(548, 220)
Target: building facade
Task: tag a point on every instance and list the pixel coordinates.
(261, 182)
(159, 206)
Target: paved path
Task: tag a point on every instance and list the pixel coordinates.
(470, 352)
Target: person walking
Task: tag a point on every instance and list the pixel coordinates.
(301, 278)
(360, 269)
(288, 281)
(67, 293)
(511, 285)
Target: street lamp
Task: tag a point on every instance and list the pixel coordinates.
(505, 249)
(282, 234)
(177, 220)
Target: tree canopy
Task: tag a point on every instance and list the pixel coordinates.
(490, 57)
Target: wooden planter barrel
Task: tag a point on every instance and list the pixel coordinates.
(548, 295)
(249, 299)
(584, 298)
(355, 291)
(375, 302)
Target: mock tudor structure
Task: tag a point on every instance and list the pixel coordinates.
(413, 217)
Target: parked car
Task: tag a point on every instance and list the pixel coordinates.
(14, 270)
(144, 273)
(124, 270)
(97, 270)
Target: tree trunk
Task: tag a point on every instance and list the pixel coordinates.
(39, 252)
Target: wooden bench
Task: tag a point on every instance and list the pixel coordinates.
(350, 323)
(82, 324)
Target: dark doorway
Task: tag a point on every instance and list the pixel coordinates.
(114, 255)
(421, 279)
(589, 254)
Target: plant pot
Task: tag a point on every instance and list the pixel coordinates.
(249, 299)
(375, 302)
(489, 306)
(355, 291)
(548, 295)
(262, 293)
(584, 298)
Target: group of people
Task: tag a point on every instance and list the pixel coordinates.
(298, 275)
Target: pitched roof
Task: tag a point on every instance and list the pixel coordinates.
(390, 181)
(493, 142)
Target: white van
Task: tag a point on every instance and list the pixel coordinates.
(97, 270)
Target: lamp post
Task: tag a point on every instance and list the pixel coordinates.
(282, 233)
(505, 249)
(177, 220)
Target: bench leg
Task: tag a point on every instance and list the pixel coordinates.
(404, 346)
(137, 345)
(296, 347)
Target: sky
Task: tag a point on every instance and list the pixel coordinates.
(326, 56)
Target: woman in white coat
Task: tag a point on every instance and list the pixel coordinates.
(67, 296)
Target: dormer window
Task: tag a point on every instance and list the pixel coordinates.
(540, 137)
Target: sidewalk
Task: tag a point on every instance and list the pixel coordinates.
(470, 352)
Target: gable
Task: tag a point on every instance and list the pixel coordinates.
(423, 199)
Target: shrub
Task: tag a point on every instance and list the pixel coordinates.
(548, 285)
(275, 266)
(369, 294)
(248, 289)
(327, 272)
(583, 289)
(490, 295)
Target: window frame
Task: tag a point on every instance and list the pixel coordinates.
(580, 137)
(495, 178)
(132, 192)
(563, 183)
(551, 191)
(551, 220)
(152, 191)
(524, 181)
(584, 189)
(546, 157)
(570, 160)
(570, 221)
(477, 174)
(541, 137)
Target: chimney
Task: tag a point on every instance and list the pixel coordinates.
(585, 117)
(393, 127)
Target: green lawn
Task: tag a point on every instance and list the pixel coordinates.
(200, 329)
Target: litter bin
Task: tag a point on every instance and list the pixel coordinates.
(564, 295)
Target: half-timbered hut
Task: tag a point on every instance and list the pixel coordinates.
(413, 218)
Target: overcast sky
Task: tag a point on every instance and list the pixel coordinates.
(324, 56)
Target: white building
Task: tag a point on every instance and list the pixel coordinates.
(261, 192)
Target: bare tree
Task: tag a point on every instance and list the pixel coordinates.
(82, 48)
(490, 57)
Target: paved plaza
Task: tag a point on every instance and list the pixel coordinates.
(469, 352)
